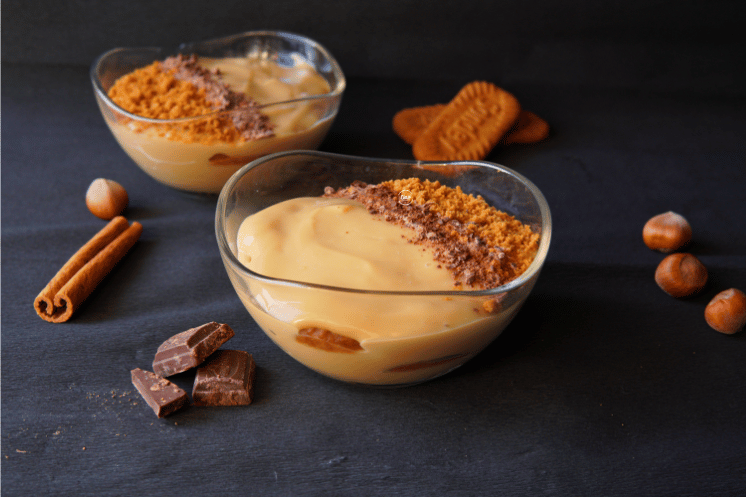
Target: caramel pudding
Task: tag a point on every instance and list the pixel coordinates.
(397, 236)
(219, 115)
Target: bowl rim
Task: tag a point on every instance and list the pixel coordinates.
(530, 273)
(334, 93)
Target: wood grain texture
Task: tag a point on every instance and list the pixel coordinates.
(602, 385)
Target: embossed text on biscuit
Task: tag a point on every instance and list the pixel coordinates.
(466, 127)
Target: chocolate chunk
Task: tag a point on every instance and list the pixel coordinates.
(226, 379)
(161, 395)
(190, 348)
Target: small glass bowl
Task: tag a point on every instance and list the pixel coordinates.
(197, 167)
(433, 332)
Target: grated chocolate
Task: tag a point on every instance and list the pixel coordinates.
(251, 123)
(482, 247)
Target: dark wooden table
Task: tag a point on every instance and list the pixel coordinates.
(602, 385)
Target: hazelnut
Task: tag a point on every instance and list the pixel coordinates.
(681, 275)
(726, 312)
(106, 198)
(666, 232)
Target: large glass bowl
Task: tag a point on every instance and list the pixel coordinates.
(197, 167)
(431, 333)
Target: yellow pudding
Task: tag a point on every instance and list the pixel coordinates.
(336, 242)
(366, 334)
(179, 154)
(266, 81)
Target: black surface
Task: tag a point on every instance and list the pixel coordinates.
(603, 385)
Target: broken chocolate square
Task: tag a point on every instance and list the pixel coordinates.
(189, 348)
(161, 395)
(226, 379)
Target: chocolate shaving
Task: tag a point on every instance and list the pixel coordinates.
(471, 262)
(251, 123)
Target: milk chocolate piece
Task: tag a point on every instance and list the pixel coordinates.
(226, 379)
(161, 395)
(190, 348)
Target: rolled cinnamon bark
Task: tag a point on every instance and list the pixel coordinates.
(85, 269)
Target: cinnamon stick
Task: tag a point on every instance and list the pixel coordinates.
(75, 281)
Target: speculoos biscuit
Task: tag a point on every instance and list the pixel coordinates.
(411, 122)
(470, 126)
(529, 128)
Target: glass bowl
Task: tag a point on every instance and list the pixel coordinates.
(428, 333)
(204, 168)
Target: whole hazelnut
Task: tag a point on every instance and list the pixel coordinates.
(726, 312)
(666, 232)
(106, 198)
(681, 275)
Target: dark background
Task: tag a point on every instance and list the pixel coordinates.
(603, 385)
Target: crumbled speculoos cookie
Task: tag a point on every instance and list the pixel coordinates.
(179, 87)
(481, 246)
